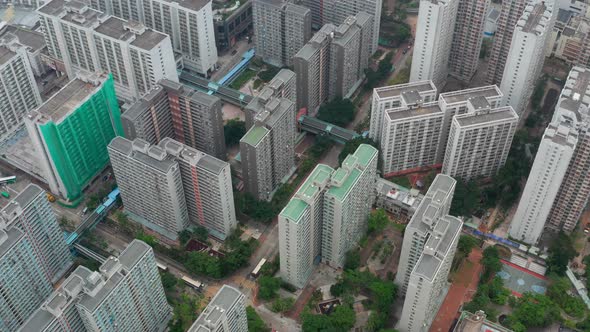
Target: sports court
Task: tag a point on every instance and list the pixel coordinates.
(520, 280)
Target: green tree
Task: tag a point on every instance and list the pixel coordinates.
(282, 304)
(233, 131)
(201, 233)
(184, 236)
(255, 323)
(149, 239)
(559, 291)
(374, 77)
(497, 293)
(339, 112)
(561, 251)
(342, 319)
(378, 221)
(491, 263)
(466, 244)
(466, 198)
(169, 281)
(352, 261)
(534, 310)
(268, 287)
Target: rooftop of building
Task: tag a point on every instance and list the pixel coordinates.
(134, 252)
(422, 110)
(493, 14)
(314, 183)
(397, 90)
(346, 32)
(438, 246)
(125, 31)
(49, 311)
(462, 96)
(6, 55)
(153, 156)
(342, 182)
(437, 194)
(563, 17)
(9, 236)
(297, 10)
(575, 96)
(561, 134)
(283, 76)
(223, 300)
(535, 18)
(403, 195)
(197, 96)
(189, 4)
(38, 321)
(273, 111)
(193, 156)
(22, 200)
(502, 114)
(321, 37)
(33, 40)
(92, 301)
(255, 135)
(72, 11)
(477, 322)
(139, 107)
(69, 98)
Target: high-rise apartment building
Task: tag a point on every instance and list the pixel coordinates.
(549, 168)
(267, 149)
(337, 11)
(280, 29)
(71, 130)
(347, 204)
(479, 141)
(173, 110)
(388, 97)
(434, 38)
(428, 279)
(527, 54)
(23, 281)
(327, 216)
(18, 93)
(80, 38)
(31, 213)
(189, 24)
(225, 313)
(281, 86)
(467, 38)
(410, 133)
(33, 42)
(510, 14)
(574, 191)
(125, 294)
(207, 188)
(435, 204)
(332, 63)
(169, 186)
(150, 184)
(461, 102)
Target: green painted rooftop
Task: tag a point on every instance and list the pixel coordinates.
(254, 135)
(365, 153)
(341, 192)
(320, 174)
(294, 209)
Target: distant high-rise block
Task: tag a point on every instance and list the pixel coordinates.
(467, 38)
(280, 29)
(268, 150)
(434, 38)
(80, 38)
(337, 11)
(225, 313)
(510, 14)
(189, 24)
(18, 93)
(173, 110)
(332, 63)
(71, 131)
(527, 54)
(327, 216)
(479, 141)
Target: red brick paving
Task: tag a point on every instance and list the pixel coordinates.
(461, 291)
(301, 302)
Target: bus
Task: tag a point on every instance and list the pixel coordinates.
(256, 272)
(194, 284)
(161, 266)
(8, 179)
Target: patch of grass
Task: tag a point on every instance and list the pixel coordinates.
(399, 227)
(402, 181)
(244, 77)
